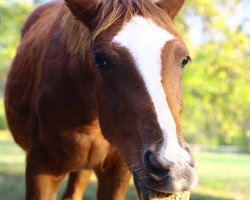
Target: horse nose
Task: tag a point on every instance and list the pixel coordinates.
(155, 169)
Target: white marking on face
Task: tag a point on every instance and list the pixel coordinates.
(145, 41)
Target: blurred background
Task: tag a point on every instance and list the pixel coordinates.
(216, 86)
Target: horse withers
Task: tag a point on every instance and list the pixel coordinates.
(96, 86)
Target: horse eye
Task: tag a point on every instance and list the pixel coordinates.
(99, 61)
(185, 61)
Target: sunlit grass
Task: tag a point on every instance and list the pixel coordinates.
(224, 175)
(221, 176)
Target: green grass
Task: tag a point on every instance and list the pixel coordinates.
(221, 176)
(225, 175)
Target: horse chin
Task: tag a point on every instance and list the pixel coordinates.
(142, 190)
(145, 193)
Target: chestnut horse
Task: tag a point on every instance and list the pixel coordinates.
(96, 86)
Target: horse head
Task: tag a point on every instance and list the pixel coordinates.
(139, 57)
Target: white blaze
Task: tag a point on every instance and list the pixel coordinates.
(145, 41)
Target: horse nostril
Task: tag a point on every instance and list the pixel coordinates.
(153, 166)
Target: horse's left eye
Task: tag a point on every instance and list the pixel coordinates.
(99, 61)
(185, 61)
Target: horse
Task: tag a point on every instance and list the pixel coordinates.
(96, 86)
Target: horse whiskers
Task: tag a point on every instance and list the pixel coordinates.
(159, 140)
(138, 150)
(148, 127)
(137, 170)
(143, 176)
(134, 165)
(141, 173)
(133, 157)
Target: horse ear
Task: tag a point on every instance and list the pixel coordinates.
(171, 6)
(84, 10)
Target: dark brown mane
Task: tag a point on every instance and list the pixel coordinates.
(78, 37)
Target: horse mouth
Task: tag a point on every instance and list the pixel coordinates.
(146, 193)
(158, 195)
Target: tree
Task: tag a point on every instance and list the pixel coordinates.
(13, 14)
(217, 84)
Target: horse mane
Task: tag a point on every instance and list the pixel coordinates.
(77, 36)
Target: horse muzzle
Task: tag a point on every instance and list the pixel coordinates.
(163, 177)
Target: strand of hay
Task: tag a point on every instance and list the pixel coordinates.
(175, 196)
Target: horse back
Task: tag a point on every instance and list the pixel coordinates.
(24, 75)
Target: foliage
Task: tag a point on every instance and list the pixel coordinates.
(3, 124)
(13, 14)
(216, 84)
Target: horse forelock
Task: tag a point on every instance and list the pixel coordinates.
(78, 37)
